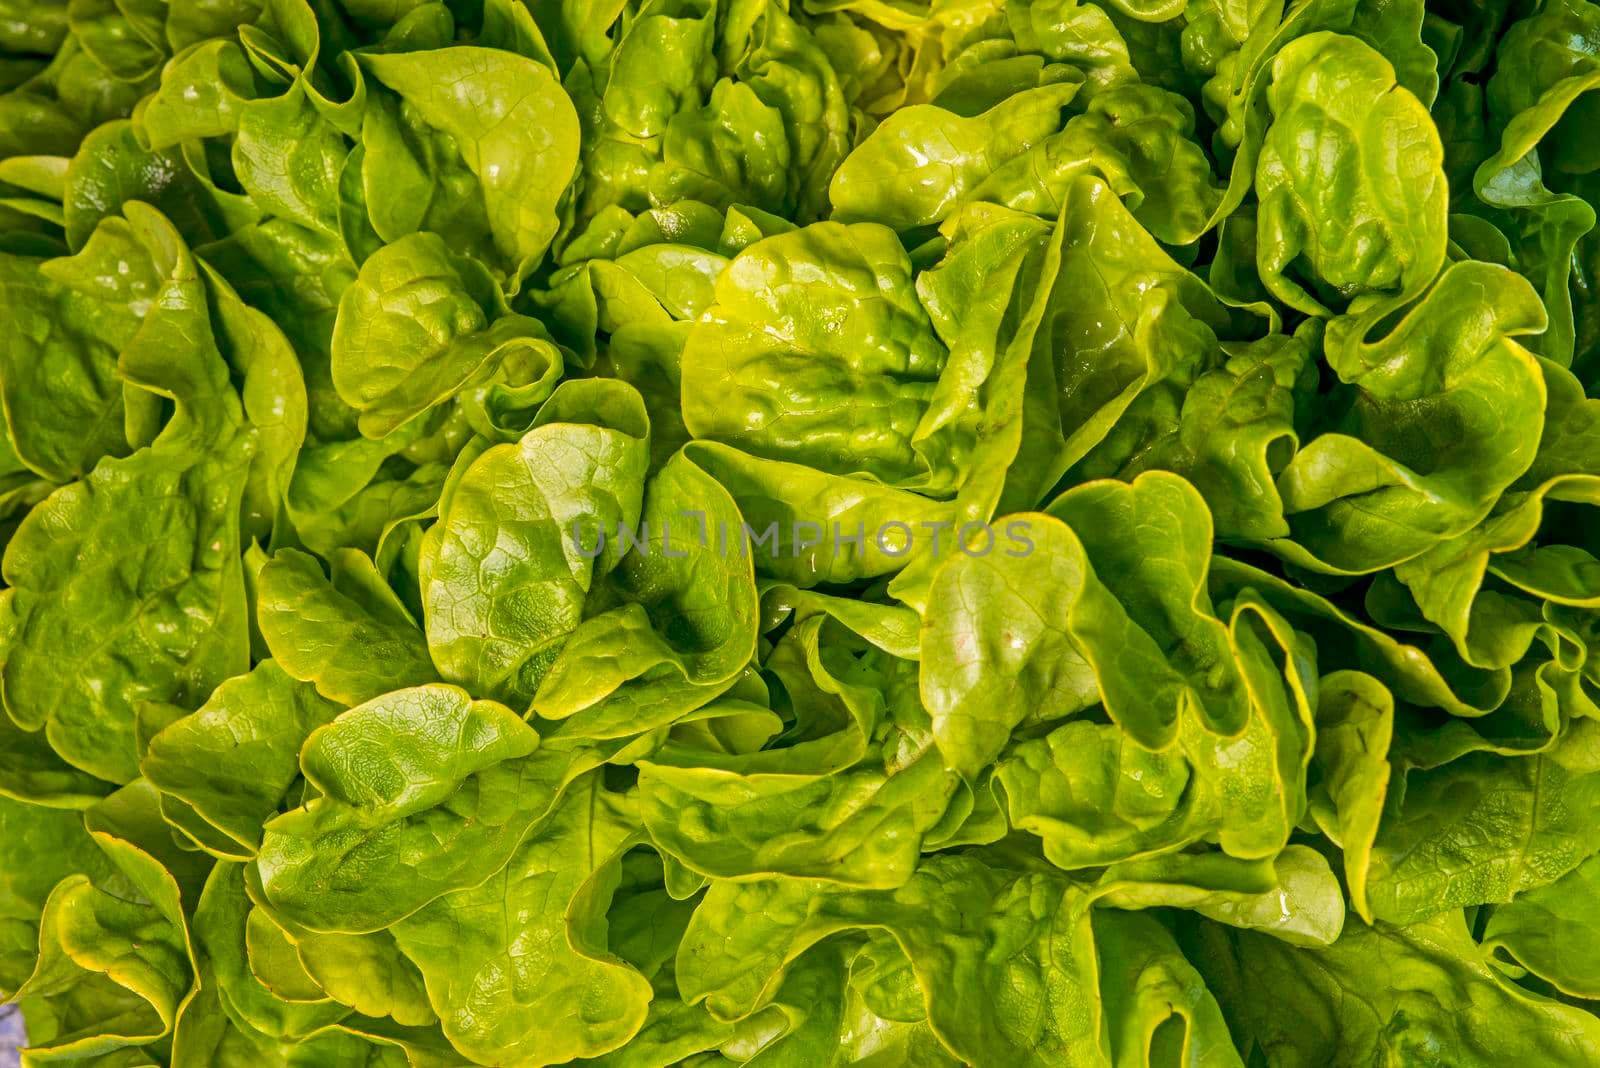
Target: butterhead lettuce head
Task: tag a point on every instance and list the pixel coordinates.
(800, 533)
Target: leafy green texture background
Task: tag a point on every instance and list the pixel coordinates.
(1263, 338)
